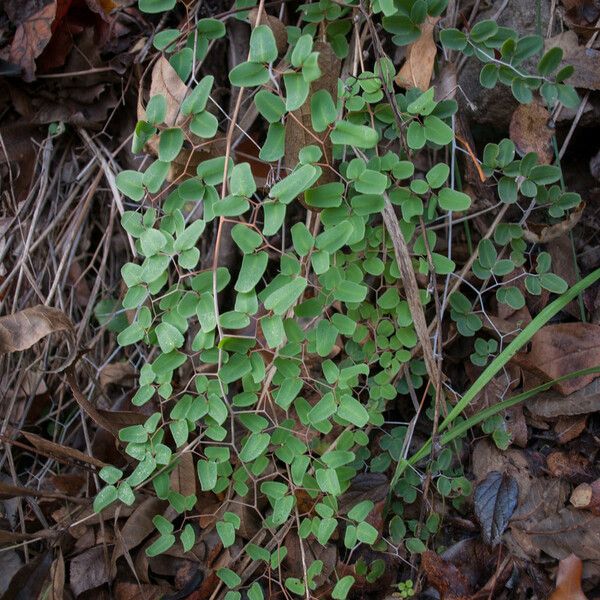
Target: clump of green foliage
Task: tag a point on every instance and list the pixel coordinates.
(332, 342)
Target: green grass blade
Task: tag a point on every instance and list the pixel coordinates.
(490, 411)
(499, 362)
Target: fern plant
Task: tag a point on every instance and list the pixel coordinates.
(300, 355)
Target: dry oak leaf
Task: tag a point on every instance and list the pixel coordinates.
(31, 37)
(568, 580)
(420, 59)
(23, 329)
(560, 349)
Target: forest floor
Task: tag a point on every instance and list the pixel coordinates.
(72, 76)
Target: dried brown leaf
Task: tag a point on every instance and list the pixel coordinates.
(50, 448)
(445, 577)
(568, 429)
(418, 68)
(137, 527)
(571, 466)
(299, 132)
(134, 591)
(587, 496)
(30, 39)
(8, 490)
(568, 580)
(569, 531)
(100, 419)
(530, 131)
(119, 373)
(560, 349)
(542, 234)
(552, 404)
(166, 82)
(539, 496)
(23, 329)
(10, 563)
(30, 579)
(482, 567)
(88, 570)
(57, 578)
(586, 61)
(183, 476)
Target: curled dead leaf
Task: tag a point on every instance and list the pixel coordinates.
(420, 59)
(542, 234)
(49, 448)
(22, 330)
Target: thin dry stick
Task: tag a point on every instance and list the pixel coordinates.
(110, 178)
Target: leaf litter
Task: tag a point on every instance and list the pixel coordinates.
(536, 504)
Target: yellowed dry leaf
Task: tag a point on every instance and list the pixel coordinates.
(420, 58)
